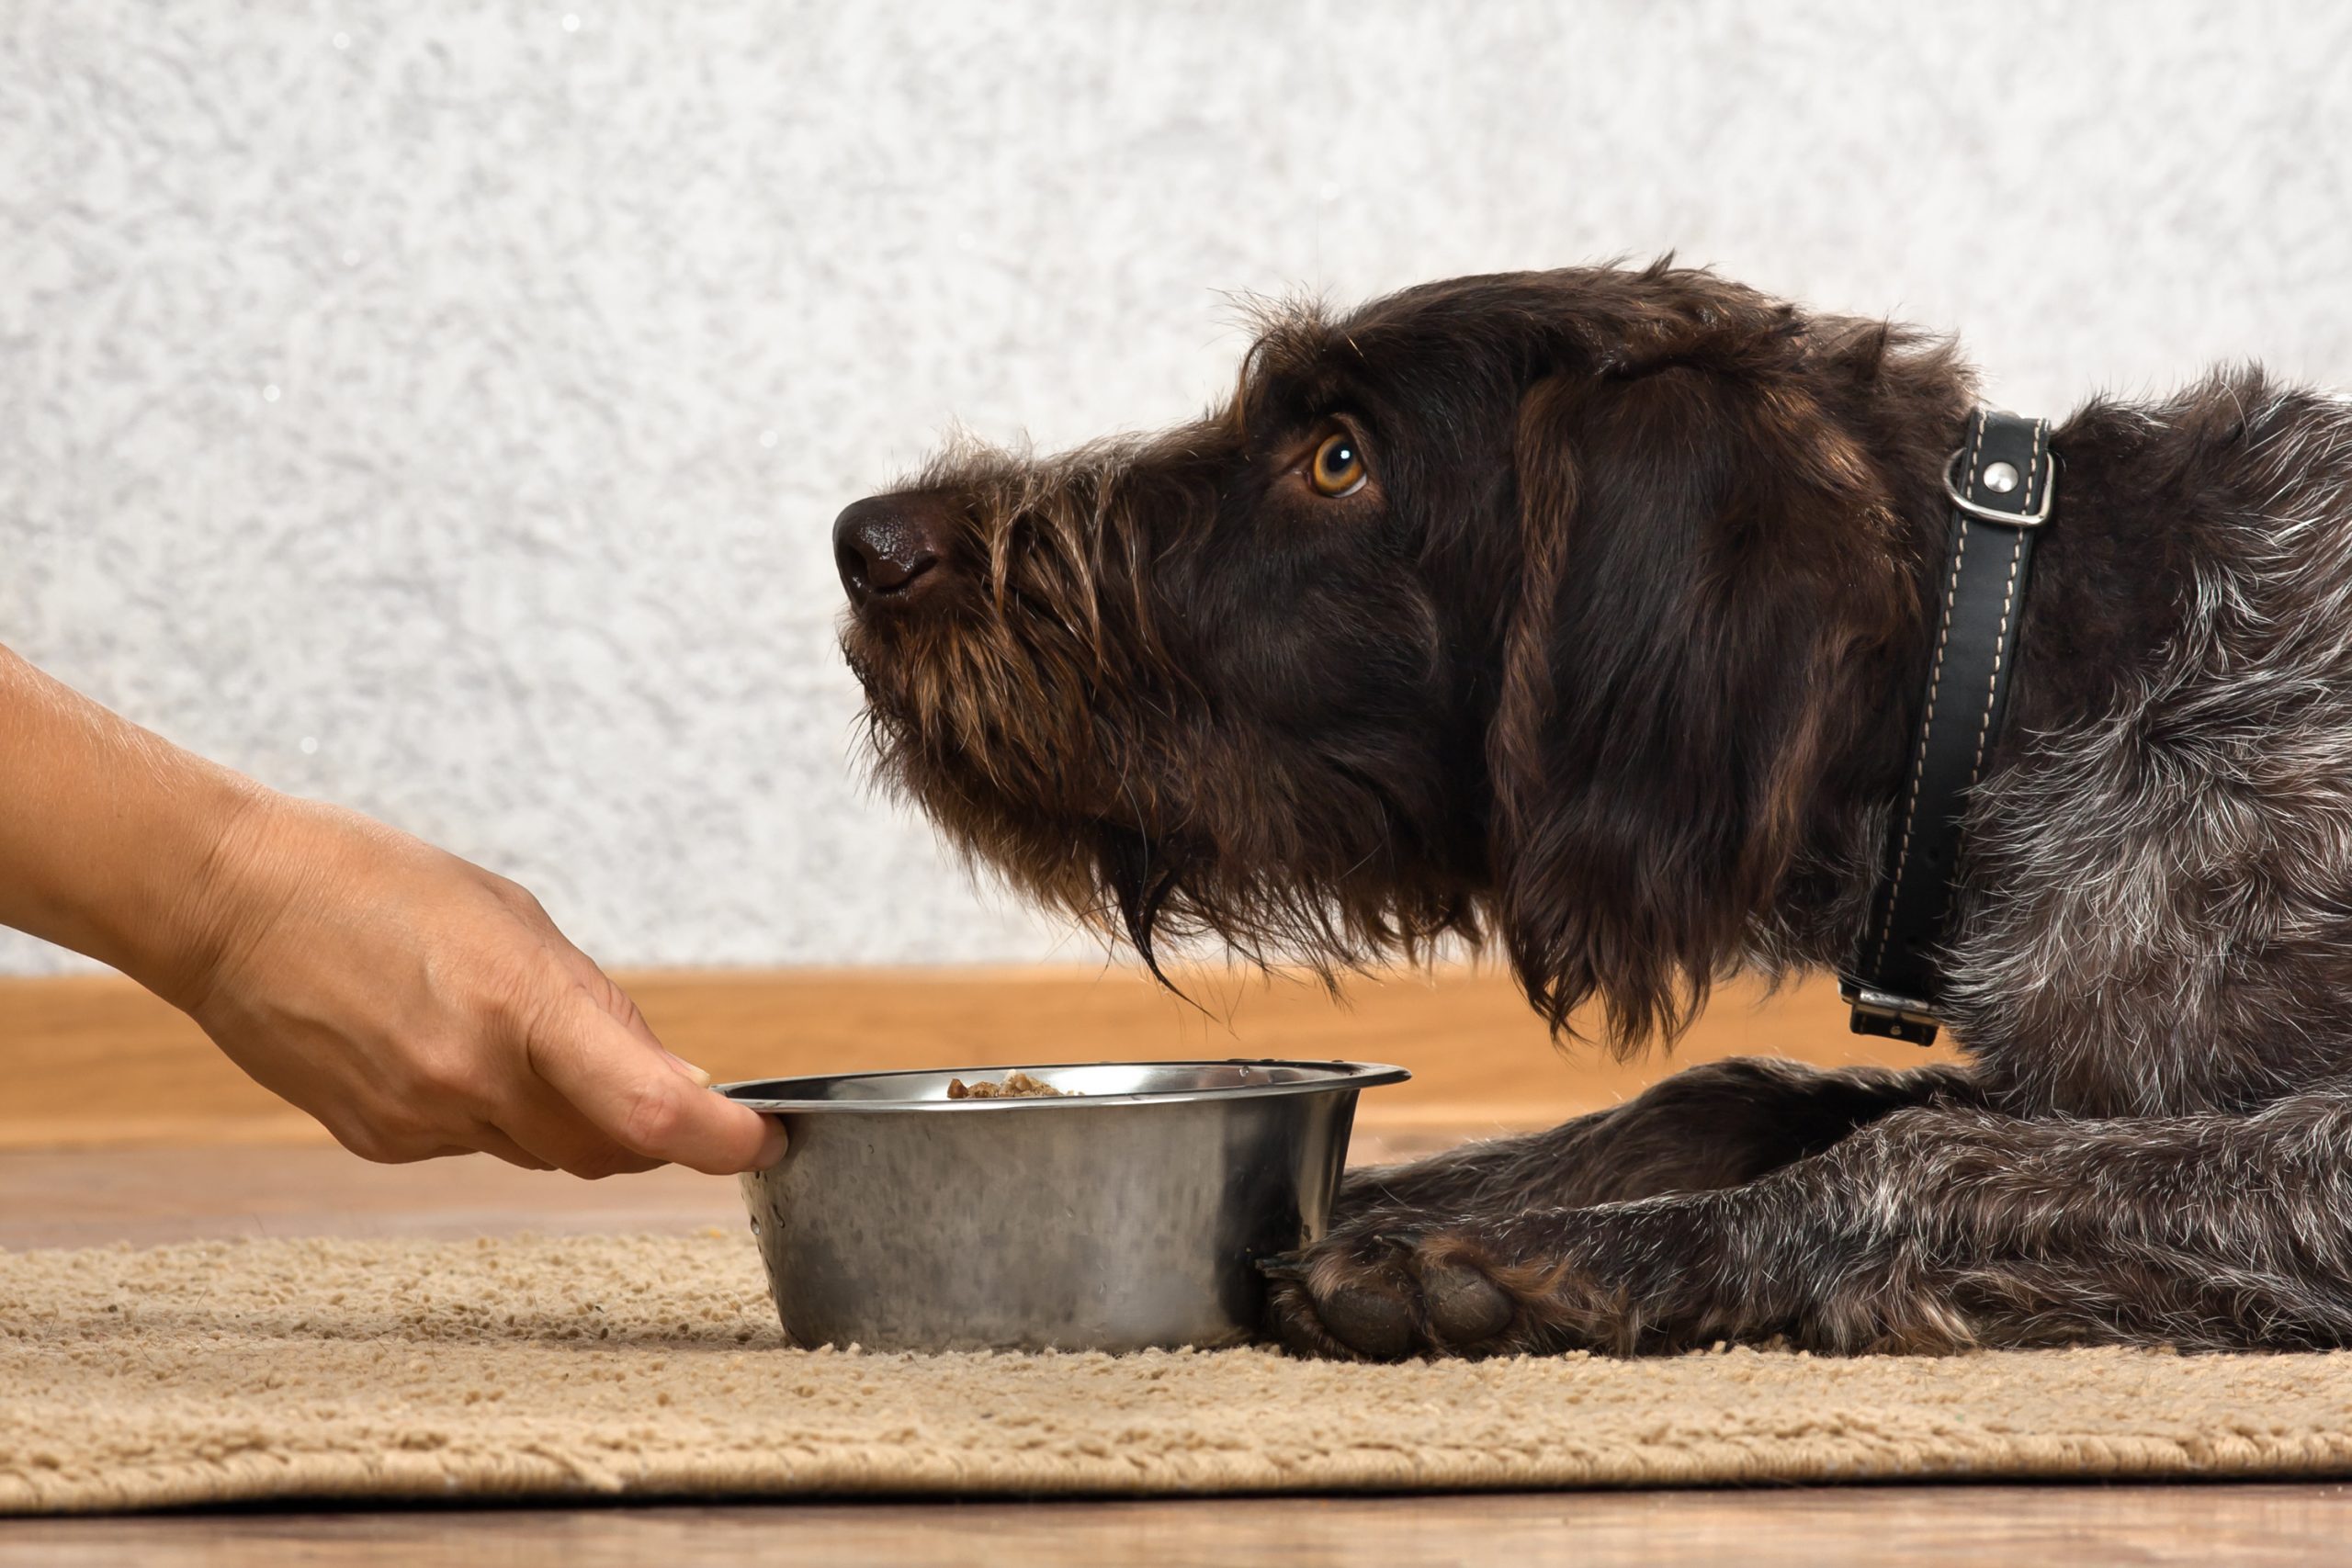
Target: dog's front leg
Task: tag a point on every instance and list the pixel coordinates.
(1932, 1229)
(1718, 1125)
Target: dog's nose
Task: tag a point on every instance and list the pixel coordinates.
(884, 549)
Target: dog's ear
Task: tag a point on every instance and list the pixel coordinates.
(1696, 545)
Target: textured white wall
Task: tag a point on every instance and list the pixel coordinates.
(442, 408)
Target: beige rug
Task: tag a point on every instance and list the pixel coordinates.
(652, 1366)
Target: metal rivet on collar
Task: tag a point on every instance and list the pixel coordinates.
(2001, 478)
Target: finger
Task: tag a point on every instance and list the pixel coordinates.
(371, 1143)
(560, 1138)
(639, 1101)
(498, 1146)
(608, 995)
(378, 1149)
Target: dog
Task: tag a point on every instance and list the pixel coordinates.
(1585, 614)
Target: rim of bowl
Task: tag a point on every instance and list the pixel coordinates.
(1338, 1075)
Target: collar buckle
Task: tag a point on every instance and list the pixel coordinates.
(1887, 1015)
(2047, 480)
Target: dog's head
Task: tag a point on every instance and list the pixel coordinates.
(1530, 604)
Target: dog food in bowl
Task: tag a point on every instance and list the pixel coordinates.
(1017, 1085)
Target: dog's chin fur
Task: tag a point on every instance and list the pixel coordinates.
(1615, 658)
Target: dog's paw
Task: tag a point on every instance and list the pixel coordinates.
(1381, 1295)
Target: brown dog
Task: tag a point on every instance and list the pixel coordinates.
(1587, 611)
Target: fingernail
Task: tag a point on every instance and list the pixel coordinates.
(772, 1147)
(701, 1078)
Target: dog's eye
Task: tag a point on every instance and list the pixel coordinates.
(1338, 469)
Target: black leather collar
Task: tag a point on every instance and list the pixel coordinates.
(2002, 482)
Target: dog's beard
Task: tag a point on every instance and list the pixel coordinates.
(1060, 740)
(1017, 761)
(1125, 807)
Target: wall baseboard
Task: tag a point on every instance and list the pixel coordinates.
(95, 1061)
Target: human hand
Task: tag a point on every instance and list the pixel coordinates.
(418, 1005)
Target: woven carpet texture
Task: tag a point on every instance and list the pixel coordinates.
(652, 1366)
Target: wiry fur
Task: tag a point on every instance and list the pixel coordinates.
(1614, 663)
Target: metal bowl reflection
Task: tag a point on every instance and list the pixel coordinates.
(1128, 1213)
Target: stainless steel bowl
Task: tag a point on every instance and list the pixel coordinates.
(1130, 1213)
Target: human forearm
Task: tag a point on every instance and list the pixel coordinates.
(417, 1004)
(111, 837)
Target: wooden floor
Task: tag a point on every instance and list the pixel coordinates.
(2012, 1527)
(131, 1133)
(149, 1196)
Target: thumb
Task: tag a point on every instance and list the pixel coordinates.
(607, 994)
(629, 1088)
